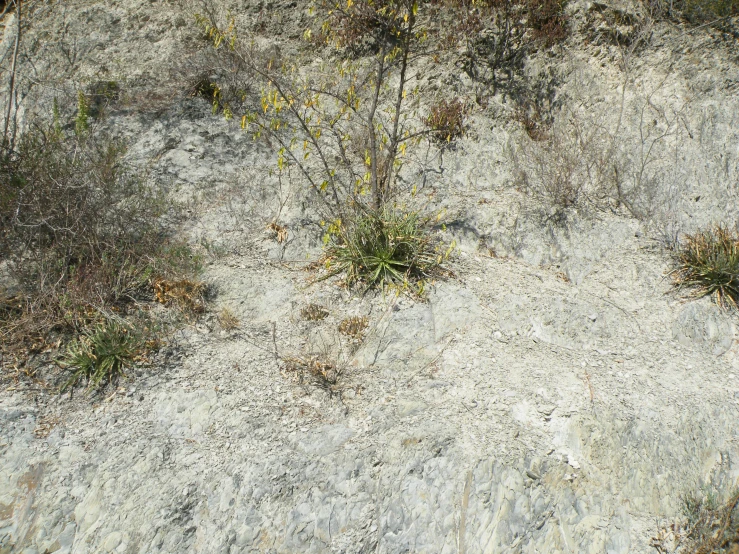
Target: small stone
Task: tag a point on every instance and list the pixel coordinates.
(546, 409)
(112, 541)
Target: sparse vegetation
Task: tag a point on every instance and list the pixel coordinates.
(228, 320)
(82, 237)
(565, 166)
(446, 120)
(315, 369)
(707, 263)
(695, 12)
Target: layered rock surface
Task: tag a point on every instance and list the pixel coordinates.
(555, 398)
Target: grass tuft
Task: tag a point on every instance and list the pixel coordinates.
(384, 248)
(101, 355)
(228, 320)
(447, 120)
(354, 327)
(708, 263)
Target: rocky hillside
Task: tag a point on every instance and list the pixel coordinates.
(549, 392)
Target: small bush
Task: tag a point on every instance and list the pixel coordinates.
(446, 120)
(81, 236)
(101, 355)
(712, 527)
(548, 21)
(383, 248)
(708, 263)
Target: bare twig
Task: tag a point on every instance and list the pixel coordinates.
(11, 84)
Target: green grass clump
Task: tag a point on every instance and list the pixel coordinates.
(708, 263)
(384, 248)
(101, 355)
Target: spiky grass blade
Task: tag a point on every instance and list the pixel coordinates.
(384, 248)
(707, 262)
(100, 355)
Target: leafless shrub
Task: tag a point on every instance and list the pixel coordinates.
(567, 167)
(595, 160)
(695, 12)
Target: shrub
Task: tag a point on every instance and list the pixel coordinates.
(100, 356)
(383, 248)
(81, 236)
(446, 120)
(548, 21)
(712, 526)
(708, 263)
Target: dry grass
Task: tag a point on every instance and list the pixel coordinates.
(354, 327)
(446, 120)
(278, 232)
(228, 320)
(314, 312)
(316, 370)
(707, 263)
(187, 294)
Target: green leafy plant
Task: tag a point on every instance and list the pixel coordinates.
(101, 355)
(383, 248)
(708, 263)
